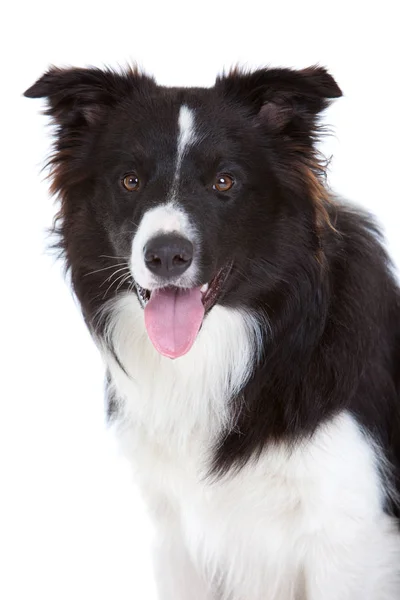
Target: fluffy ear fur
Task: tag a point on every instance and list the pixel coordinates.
(286, 104)
(78, 97)
(283, 99)
(79, 101)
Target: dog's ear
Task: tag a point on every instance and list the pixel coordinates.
(79, 97)
(282, 99)
(79, 101)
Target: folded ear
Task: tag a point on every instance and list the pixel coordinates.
(78, 100)
(79, 97)
(282, 97)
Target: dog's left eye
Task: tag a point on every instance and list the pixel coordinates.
(223, 183)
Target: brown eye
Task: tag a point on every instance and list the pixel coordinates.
(223, 183)
(131, 182)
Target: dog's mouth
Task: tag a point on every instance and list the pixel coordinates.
(174, 315)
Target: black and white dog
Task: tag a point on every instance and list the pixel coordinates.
(250, 324)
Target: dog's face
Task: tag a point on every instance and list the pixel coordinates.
(186, 197)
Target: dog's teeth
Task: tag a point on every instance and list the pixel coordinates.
(204, 288)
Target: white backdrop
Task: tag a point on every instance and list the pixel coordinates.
(71, 523)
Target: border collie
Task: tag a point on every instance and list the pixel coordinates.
(250, 326)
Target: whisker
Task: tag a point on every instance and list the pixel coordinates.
(113, 283)
(132, 286)
(114, 273)
(104, 269)
(116, 257)
(127, 277)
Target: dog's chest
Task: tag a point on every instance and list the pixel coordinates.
(258, 525)
(261, 518)
(231, 522)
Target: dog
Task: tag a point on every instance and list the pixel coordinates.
(249, 321)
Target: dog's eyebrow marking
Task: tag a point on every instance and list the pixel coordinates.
(186, 138)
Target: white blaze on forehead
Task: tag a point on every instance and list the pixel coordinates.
(187, 133)
(186, 138)
(169, 217)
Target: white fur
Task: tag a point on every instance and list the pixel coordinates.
(197, 386)
(304, 523)
(169, 217)
(186, 138)
(166, 218)
(187, 133)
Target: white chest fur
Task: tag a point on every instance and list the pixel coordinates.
(299, 524)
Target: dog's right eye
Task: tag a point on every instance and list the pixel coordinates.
(131, 182)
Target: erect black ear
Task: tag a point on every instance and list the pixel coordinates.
(280, 96)
(79, 97)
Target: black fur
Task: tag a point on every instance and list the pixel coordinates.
(314, 269)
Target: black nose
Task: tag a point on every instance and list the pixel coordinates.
(168, 255)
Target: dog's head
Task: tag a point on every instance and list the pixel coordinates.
(185, 197)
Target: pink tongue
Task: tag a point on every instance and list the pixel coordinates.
(173, 318)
